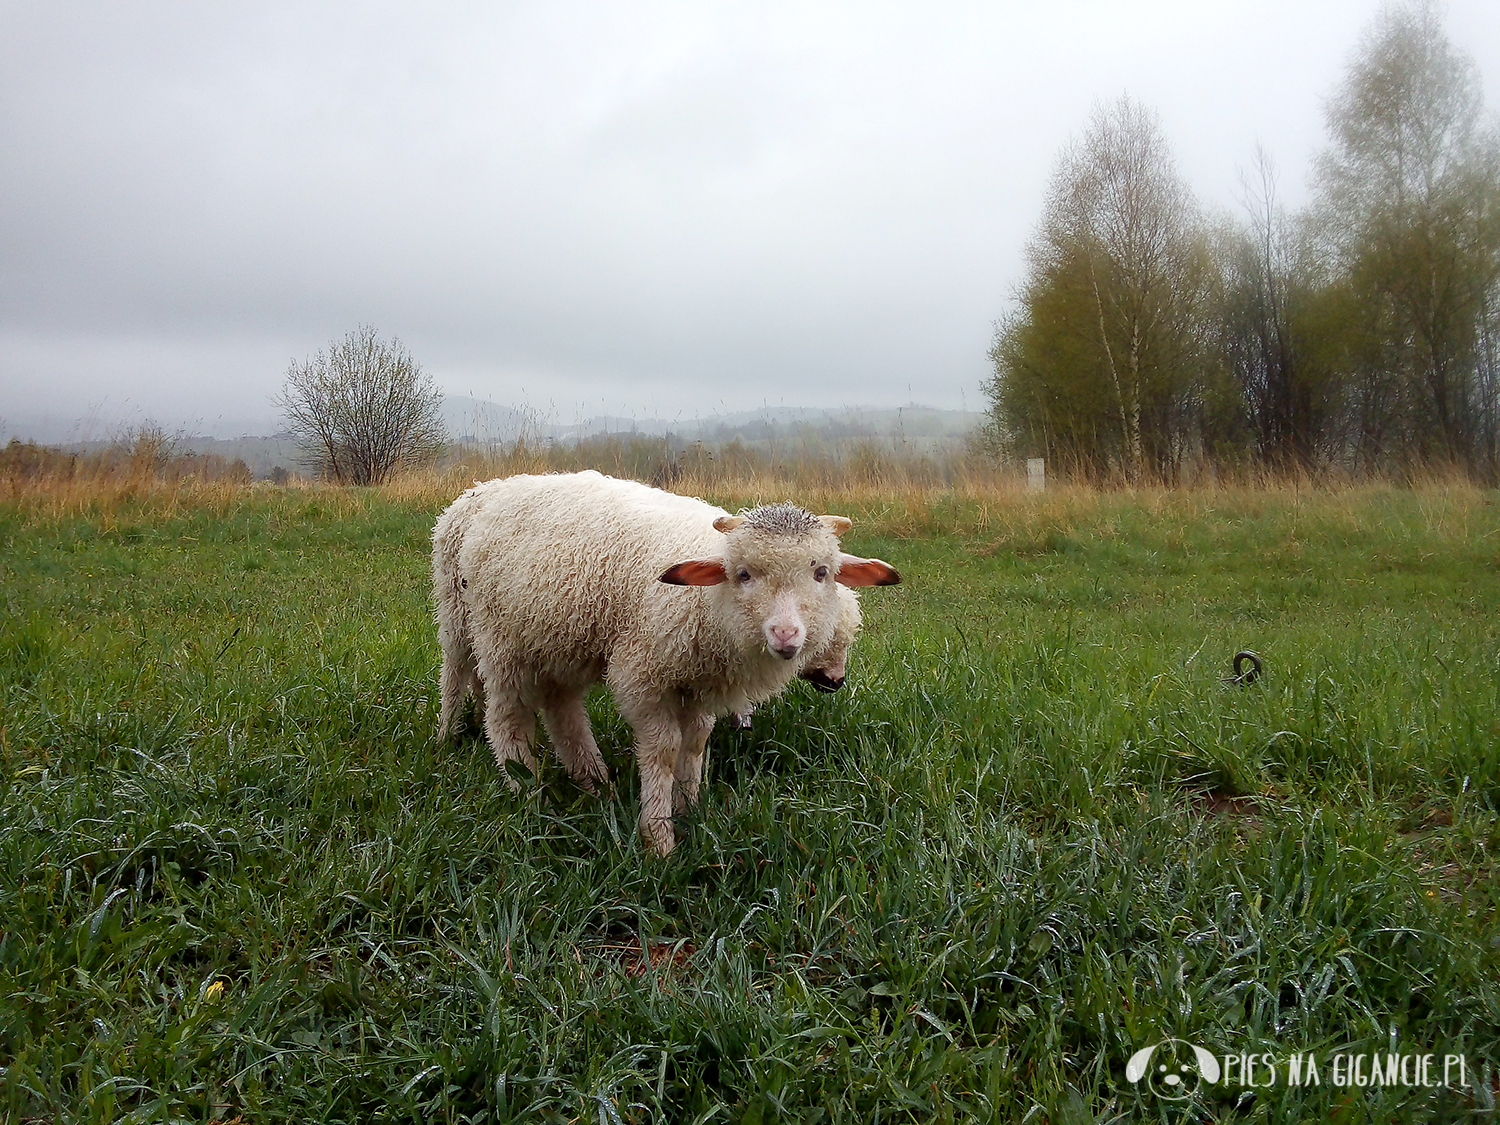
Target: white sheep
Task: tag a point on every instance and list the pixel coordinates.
(545, 585)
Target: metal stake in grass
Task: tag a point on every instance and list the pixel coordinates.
(1243, 675)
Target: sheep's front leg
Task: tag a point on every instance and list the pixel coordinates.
(658, 742)
(689, 772)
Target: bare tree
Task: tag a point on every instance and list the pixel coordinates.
(1265, 368)
(1278, 317)
(363, 409)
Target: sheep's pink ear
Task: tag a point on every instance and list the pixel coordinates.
(695, 572)
(866, 572)
(727, 524)
(836, 524)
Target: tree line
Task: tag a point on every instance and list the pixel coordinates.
(1359, 333)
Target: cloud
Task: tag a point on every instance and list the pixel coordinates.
(671, 203)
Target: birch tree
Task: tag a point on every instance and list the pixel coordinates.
(1409, 206)
(1104, 356)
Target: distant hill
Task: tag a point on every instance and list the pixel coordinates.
(97, 425)
(478, 421)
(262, 454)
(481, 422)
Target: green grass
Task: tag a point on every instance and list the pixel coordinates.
(1036, 832)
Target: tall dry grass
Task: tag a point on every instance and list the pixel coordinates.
(903, 492)
(145, 463)
(886, 490)
(906, 494)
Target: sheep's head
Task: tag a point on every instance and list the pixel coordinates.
(779, 568)
(826, 668)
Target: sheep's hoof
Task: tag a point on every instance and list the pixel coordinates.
(595, 788)
(661, 841)
(517, 772)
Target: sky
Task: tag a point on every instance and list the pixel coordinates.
(657, 210)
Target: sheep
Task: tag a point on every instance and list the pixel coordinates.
(826, 669)
(546, 585)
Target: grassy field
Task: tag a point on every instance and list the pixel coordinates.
(1037, 831)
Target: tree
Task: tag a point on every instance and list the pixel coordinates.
(1278, 314)
(1102, 362)
(1409, 206)
(363, 409)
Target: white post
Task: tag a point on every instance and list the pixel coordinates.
(1036, 474)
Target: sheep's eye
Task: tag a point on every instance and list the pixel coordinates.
(743, 576)
(821, 573)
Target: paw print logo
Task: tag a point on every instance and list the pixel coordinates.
(1172, 1069)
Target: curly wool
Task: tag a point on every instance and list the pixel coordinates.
(781, 519)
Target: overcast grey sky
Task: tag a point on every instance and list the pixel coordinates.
(657, 209)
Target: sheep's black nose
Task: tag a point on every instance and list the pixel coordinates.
(822, 680)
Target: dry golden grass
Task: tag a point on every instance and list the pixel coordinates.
(143, 466)
(884, 492)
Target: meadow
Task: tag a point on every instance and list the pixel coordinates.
(1037, 831)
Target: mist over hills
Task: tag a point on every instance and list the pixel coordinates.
(482, 423)
(473, 421)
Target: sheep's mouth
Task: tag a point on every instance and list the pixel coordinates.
(822, 680)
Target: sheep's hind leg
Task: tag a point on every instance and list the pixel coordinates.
(511, 727)
(567, 724)
(689, 769)
(458, 678)
(476, 689)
